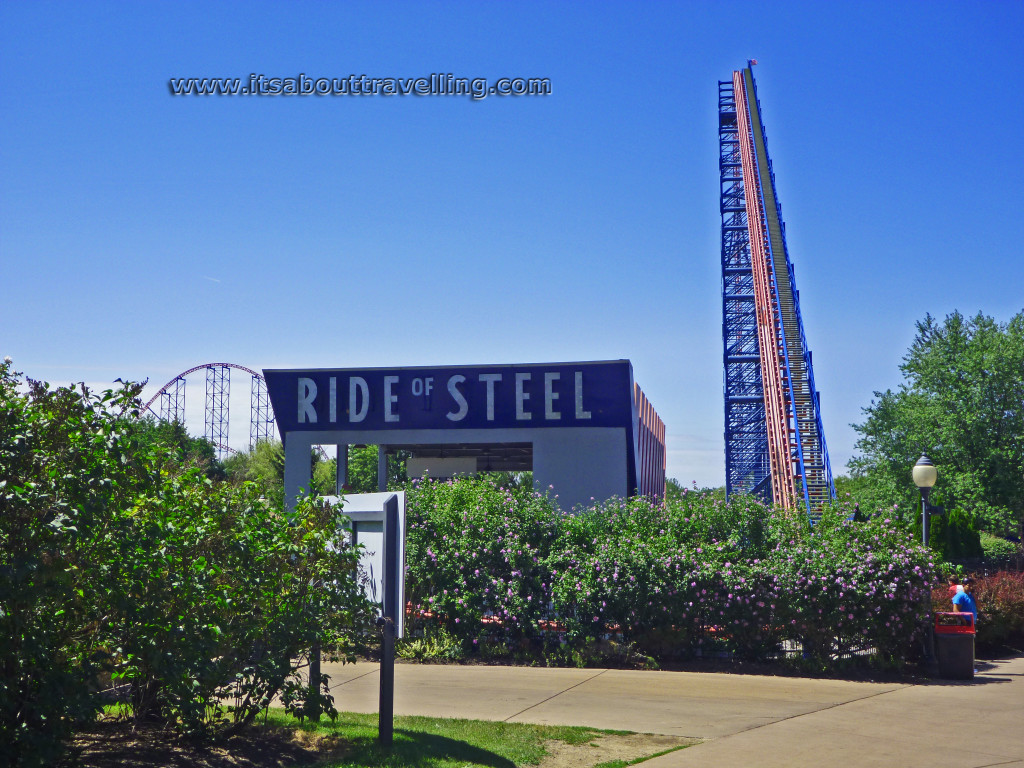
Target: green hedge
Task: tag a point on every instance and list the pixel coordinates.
(502, 565)
(997, 550)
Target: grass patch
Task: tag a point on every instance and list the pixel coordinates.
(351, 742)
(637, 761)
(430, 742)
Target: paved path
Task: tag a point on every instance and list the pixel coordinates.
(742, 719)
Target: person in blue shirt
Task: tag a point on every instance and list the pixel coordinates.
(963, 602)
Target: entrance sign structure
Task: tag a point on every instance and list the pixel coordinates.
(585, 429)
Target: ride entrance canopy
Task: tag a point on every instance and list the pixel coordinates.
(584, 429)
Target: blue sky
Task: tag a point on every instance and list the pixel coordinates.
(142, 234)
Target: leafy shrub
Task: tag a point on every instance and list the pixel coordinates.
(116, 564)
(437, 644)
(666, 574)
(854, 586)
(63, 469)
(1000, 601)
(995, 549)
(611, 568)
(654, 571)
(212, 596)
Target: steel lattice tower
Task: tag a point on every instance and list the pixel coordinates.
(172, 401)
(261, 423)
(774, 443)
(218, 397)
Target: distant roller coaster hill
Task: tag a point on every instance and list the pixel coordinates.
(171, 405)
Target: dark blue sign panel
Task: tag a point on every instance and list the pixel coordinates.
(453, 397)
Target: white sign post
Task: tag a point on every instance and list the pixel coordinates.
(369, 526)
(377, 522)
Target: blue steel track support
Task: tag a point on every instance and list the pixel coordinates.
(805, 441)
(747, 467)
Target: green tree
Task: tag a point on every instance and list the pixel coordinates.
(362, 469)
(325, 476)
(962, 403)
(172, 445)
(264, 465)
(675, 490)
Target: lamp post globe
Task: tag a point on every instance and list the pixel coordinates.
(925, 475)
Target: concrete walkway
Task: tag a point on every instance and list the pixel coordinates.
(742, 719)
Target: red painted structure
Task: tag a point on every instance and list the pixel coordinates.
(768, 321)
(650, 462)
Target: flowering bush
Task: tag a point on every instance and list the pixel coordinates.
(854, 586)
(615, 566)
(476, 557)
(667, 578)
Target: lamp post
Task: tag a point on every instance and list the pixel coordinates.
(925, 476)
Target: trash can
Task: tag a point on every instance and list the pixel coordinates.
(954, 645)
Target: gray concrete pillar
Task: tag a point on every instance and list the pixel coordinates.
(382, 468)
(341, 476)
(298, 467)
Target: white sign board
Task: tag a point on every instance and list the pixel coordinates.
(367, 513)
